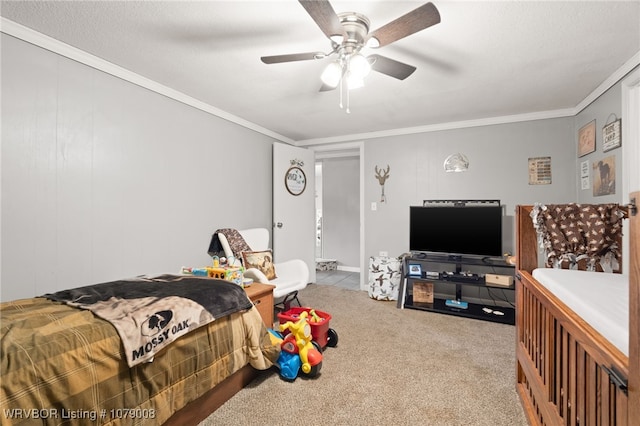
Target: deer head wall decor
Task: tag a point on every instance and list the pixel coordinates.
(382, 177)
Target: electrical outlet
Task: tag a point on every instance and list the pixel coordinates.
(384, 254)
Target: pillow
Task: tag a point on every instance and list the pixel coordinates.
(262, 260)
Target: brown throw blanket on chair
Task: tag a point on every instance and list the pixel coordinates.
(236, 242)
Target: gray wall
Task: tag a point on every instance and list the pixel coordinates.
(498, 169)
(498, 157)
(603, 110)
(341, 210)
(102, 179)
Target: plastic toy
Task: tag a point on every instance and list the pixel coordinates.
(298, 352)
(319, 321)
(288, 363)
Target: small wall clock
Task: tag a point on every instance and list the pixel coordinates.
(295, 180)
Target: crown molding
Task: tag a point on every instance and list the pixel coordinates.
(56, 46)
(543, 115)
(38, 39)
(339, 150)
(618, 75)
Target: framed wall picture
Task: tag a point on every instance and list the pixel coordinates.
(584, 182)
(611, 136)
(584, 169)
(587, 139)
(540, 171)
(584, 174)
(604, 176)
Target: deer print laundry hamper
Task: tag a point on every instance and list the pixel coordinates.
(384, 278)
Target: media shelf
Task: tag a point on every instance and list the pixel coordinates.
(473, 310)
(458, 279)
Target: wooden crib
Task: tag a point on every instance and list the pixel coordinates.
(567, 372)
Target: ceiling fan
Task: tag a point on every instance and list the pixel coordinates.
(349, 34)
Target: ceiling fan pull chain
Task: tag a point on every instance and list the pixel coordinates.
(348, 96)
(341, 106)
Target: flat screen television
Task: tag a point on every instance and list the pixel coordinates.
(457, 229)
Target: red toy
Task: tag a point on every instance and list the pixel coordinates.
(321, 334)
(298, 342)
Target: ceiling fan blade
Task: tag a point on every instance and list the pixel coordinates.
(410, 23)
(292, 57)
(390, 67)
(327, 88)
(323, 14)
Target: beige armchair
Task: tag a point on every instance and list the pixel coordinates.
(292, 275)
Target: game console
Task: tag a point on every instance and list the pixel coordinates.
(434, 275)
(459, 304)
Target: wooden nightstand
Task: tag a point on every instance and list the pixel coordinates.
(262, 297)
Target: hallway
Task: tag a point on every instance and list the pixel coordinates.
(344, 279)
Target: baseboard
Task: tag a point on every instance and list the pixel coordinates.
(349, 268)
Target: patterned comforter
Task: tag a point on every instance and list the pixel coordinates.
(580, 236)
(151, 312)
(64, 366)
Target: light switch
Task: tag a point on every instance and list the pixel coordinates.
(374, 206)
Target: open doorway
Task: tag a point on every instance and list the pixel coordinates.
(339, 217)
(318, 206)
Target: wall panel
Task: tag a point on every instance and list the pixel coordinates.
(103, 179)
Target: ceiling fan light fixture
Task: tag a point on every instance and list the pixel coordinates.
(349, 34)
(373, 42)
(354, 81)
(332, 74)
(337, 38)
(359, 67)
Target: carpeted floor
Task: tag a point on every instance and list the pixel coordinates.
(391, 366)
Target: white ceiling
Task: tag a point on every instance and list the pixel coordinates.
(485, 61)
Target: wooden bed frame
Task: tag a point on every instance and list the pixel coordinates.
(198, 410)
(567, 373)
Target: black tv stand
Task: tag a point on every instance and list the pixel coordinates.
(463, 279)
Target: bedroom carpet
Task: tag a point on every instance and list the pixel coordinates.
(391, 366)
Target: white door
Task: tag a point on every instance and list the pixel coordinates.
(294, 205)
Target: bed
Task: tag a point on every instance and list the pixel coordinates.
(62, 364)
(577, 343)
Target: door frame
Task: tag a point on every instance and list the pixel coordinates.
(349, 149)
(630, 108)
(631, 182)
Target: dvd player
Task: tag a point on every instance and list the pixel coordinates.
(464, 277)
